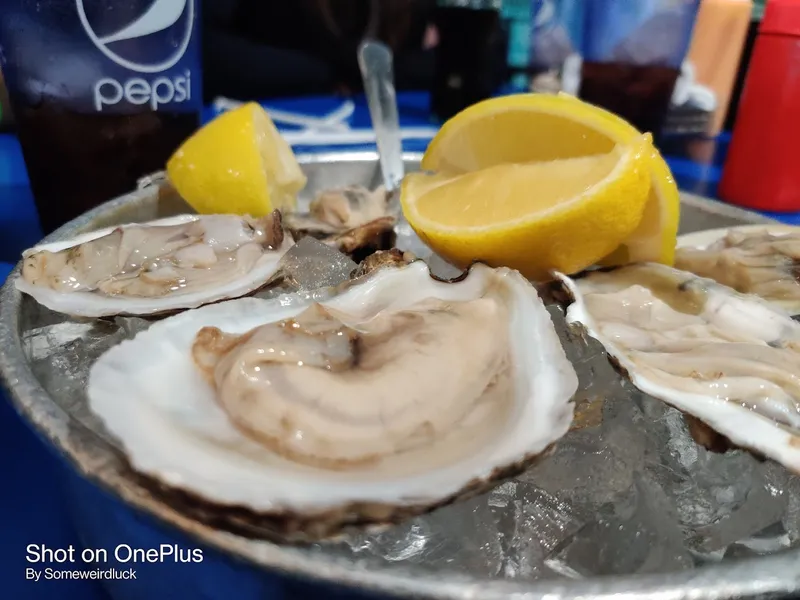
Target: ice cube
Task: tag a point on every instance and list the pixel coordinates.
(463, 537)
(746, 505)
(311, 265)
(408, 241)
(719, 497)
(541, 523)
(639, 533)
(60, 357)
(593, 466)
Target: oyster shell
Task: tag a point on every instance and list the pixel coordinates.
(352, 219)
(299, 420)
(728, 359)
(761, 260)
(148, 268)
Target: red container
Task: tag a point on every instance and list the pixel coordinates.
(762, 170)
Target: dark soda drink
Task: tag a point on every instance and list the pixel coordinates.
(470, 55)
(5, 107)
(102, 91)
(76, 161)
(632, 56)
(640, 94)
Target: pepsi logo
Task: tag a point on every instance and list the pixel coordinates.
(170, 21)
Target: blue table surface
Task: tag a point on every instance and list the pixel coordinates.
(30, 511)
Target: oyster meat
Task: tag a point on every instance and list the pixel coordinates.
(320, 392)
(382, 258)
(753, 260)
(728, 359)
(344, 208)
(147, 268)
(399, 394)
(352, 219)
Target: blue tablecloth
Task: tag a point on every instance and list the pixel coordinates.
(31, 508)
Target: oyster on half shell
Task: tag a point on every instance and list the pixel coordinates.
(730, 360)
(148, 268)
(352, 219)
(399, 394)
(761, 260)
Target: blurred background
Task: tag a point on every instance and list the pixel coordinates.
(675, 68)
(686, 59)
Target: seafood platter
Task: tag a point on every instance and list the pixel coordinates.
(318, 391)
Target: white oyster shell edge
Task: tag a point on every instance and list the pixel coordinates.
(151, 396)
(743, 427)
(89, 304)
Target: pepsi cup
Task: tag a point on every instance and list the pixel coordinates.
(102, 91)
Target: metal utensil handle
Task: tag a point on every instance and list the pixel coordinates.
(375, 62)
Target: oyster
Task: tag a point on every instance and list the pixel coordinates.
(728, 359)
(382, 258)
(340, 209)
(400, 394)
(137, 269)
(316, 390)
(352, 219)
(753, 260)
(362, 241)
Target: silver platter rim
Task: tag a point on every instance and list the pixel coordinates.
(93, 458)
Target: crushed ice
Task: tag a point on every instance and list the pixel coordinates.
(626, 491)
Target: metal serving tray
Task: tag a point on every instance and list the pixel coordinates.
(628, 504)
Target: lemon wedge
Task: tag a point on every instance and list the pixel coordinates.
(523, 128)
(564, 214)
(238, 163)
